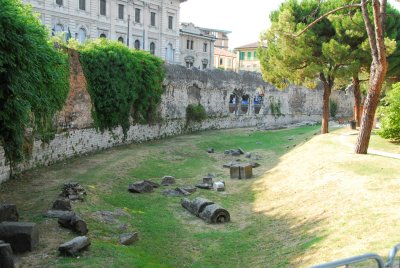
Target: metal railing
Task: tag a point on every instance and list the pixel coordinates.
(362, 258)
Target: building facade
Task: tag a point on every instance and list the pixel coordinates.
(197, 47)
(151, 25)
(224, 59)
(221, 37)
(247, 58)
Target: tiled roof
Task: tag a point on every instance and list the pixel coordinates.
(223, 52)
(252, 45)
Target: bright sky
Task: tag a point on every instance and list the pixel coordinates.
(245, 19)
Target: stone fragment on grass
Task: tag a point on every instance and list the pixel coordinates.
(219, 186)
(58, 213)
(210, 150)
(8, 212)
(74, 246)
(247, 155)
(6, 259)
(74, 223)
(141, 187)
(241, 171)
(205, 186)
(129, 238)
(168, 180)
(73, 191)
(254, 164)
(208, 179)
(22, 236)
(62, 204)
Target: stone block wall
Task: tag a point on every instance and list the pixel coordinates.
(211, 88)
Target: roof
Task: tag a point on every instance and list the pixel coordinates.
(216, 30)
(252, 45)
(223, 52)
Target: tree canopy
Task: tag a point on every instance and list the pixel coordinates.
(33, 78)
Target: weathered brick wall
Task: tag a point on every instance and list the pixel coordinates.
(211, 88)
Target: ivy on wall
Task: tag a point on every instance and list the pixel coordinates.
(195, 112)
(123, 83)
(33, 80)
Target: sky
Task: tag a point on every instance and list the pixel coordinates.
(246, 19)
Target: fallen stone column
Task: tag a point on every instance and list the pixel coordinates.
(206, 210)
(73, 222)
(74, 246)
(6, 259)
(196, 206)
(215, 214)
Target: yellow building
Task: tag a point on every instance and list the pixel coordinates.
(247, 58)
(224, 59)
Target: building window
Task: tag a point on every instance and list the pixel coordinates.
(248, 55)
(152, 18)
(255, 55)
(103, 36)
(188, 44)
(82, 4)
(205, 63)
(137, 44)
(223, 43)
(170, 53)
(137, 15)
(59, 28)
(82, 35)
(241, 56)
(121, 39)
(152, 48)
(205, 47)
(121, 11)
(191, 45)
(170, 22)
(103, 7)
(221, 61)
(59, 2)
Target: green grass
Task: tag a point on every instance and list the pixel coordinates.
(169, 235)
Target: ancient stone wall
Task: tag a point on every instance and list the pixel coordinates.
(214, 89)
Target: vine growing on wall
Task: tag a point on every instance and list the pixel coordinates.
(33, 80)
(196, 113)
(275, 107)
(123, 83)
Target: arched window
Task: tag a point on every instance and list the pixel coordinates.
(152, 48)
(170, 53)
(103, 36)
(82, 35)
(120, 39)
(59, 2)
(137, 44)
(103, 7)
(59, 28)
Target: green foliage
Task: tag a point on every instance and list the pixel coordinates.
(33, 78)
(390, 115)
(332, 107)
(195, 113)
(275, 107)
(122, 83)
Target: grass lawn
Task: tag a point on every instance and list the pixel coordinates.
(312, 200)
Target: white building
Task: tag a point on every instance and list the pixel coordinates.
(197, 47)
(152, 25)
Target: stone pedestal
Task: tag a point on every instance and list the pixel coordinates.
(241, 171)
(23, 236)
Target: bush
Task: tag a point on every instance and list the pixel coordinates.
(33, 78)
(122, 83)
(389, 115)
(332, 107)
(195, 113)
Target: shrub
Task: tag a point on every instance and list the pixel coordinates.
(195, 113)
(33, 78)
(122, 83)
(389, 115)
(332, 107)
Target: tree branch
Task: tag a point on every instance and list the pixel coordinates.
(325, 15)
(370, 31)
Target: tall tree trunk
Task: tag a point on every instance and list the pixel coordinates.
(325, 110)
(357, 99)
(378, 71)
(328, 84)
